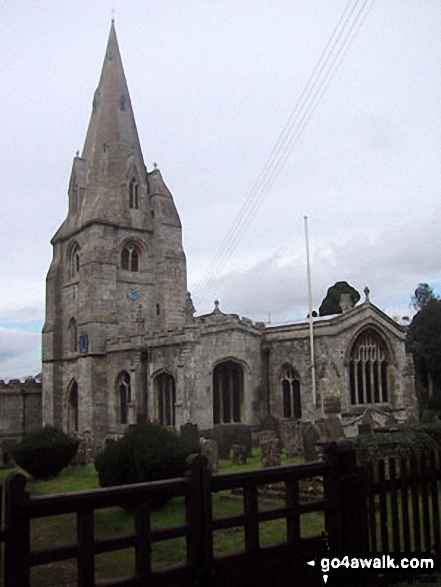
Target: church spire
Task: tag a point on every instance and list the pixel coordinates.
(112, 150)
(111, 163)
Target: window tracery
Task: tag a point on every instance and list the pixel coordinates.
(130, 258)
(368, 369)
(124, 396)
(292, 406)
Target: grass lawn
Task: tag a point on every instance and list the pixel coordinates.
(111, 522)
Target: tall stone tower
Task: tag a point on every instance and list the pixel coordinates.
(118, 267)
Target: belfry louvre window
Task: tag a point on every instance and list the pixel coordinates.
(133, 193)
(166, 399)
(292, 407)
(124, 396)
(130, 258)
(227, 392)
(368, 369)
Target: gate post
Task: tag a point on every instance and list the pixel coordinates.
(345, 521)
(17, 532)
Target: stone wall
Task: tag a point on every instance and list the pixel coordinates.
(20, 410)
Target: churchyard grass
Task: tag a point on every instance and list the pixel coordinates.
(117, 521)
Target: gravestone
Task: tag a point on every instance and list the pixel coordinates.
(310, 437)
(333, 428)
(86, 448)
(228, 434)
(270, 452)
(240, 453)
(190, 431)
(210, 449)
(291, 438)
(271, 423)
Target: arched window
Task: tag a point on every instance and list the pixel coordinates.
(130, 258)
(73, 335)
(73, 259)
(124, 396)
(227, 392)
(292, 406)
(72, 408)
(166, 399)
(133, 193)
(368, 369)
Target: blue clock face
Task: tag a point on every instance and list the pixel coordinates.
(133, 293)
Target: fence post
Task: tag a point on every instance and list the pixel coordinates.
(17, 532)
(345, 520)
(199, 519)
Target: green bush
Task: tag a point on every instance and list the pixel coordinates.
(403, 442)
(146, 452)
(45, 452)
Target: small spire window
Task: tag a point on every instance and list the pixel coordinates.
(133, 193)
(73, 335)
(130, 258)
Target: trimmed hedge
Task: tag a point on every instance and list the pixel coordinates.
(45, 452)
(146, 452)
(403, 442)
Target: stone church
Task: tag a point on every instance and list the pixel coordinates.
(121, 343)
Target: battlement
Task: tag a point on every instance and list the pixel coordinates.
(16, 385)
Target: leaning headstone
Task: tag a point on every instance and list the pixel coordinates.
(270, 452)
(291, 438)
(240, 453)
(190, 431)
(209, 448)
(310, 436)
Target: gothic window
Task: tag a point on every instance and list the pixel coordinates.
(368, 369)
(227, 392)
(166, 399)
(133, 193)
(292, 406)
(124, 396)
(72, 408)
(73, 259)
(130, 258)
(73, 335)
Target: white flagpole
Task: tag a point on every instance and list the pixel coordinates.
(310, 319)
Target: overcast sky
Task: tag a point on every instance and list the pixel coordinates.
(212, 84)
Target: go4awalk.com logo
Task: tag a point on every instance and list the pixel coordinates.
(398, 564)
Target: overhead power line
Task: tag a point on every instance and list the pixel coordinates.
(341, 39)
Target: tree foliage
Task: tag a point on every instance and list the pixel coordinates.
(423, 294)
(331, 303)
(45, 452)
(146, 452)
(423, 340)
